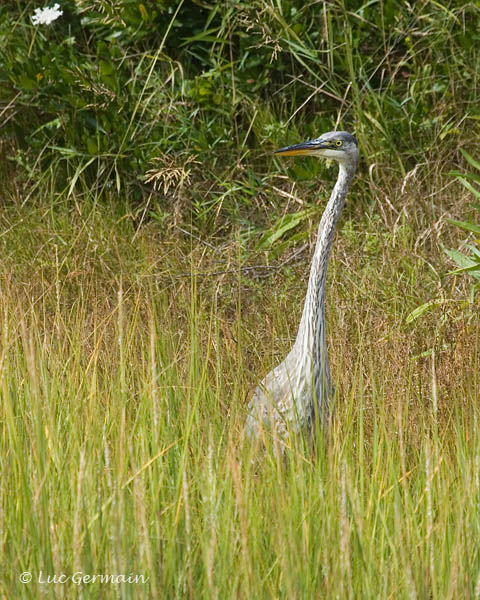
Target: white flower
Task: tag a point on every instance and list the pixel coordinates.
(45, 16)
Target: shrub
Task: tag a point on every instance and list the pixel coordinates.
(113, 85)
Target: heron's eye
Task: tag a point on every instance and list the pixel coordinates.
(338, 142)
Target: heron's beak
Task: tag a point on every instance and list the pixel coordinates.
(303, 149)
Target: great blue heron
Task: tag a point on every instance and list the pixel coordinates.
(299, 388)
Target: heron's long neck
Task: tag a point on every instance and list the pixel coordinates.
(311, 333)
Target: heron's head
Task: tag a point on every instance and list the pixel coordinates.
(339, 145)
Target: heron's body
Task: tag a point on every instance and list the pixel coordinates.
(299, 388)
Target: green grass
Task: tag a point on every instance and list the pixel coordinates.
(115, 90)
(155, 255)
(126, 362)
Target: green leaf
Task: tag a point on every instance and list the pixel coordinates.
(461, 260)
(466, 264)
(301, 50)
(94, 124)
(459, 175)
(27, 83)
(106, 67)
(420, 310)
(284, 224)
(469, 186)
(77, 173)
(205, 36)
(470, 159)
(465, 225)
(92, 146)
(472, 270)
(475, 251)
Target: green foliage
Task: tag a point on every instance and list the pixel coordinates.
(284, 225)
(81, 96)
(124, 82)
(130, 342)
(469, 264)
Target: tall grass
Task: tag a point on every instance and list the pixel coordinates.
(154, 259)
(126, 363)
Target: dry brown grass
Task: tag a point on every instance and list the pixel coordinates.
(127, 359)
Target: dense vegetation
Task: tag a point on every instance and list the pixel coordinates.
(154, 258)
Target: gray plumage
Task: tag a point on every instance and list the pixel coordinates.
(300, 387)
